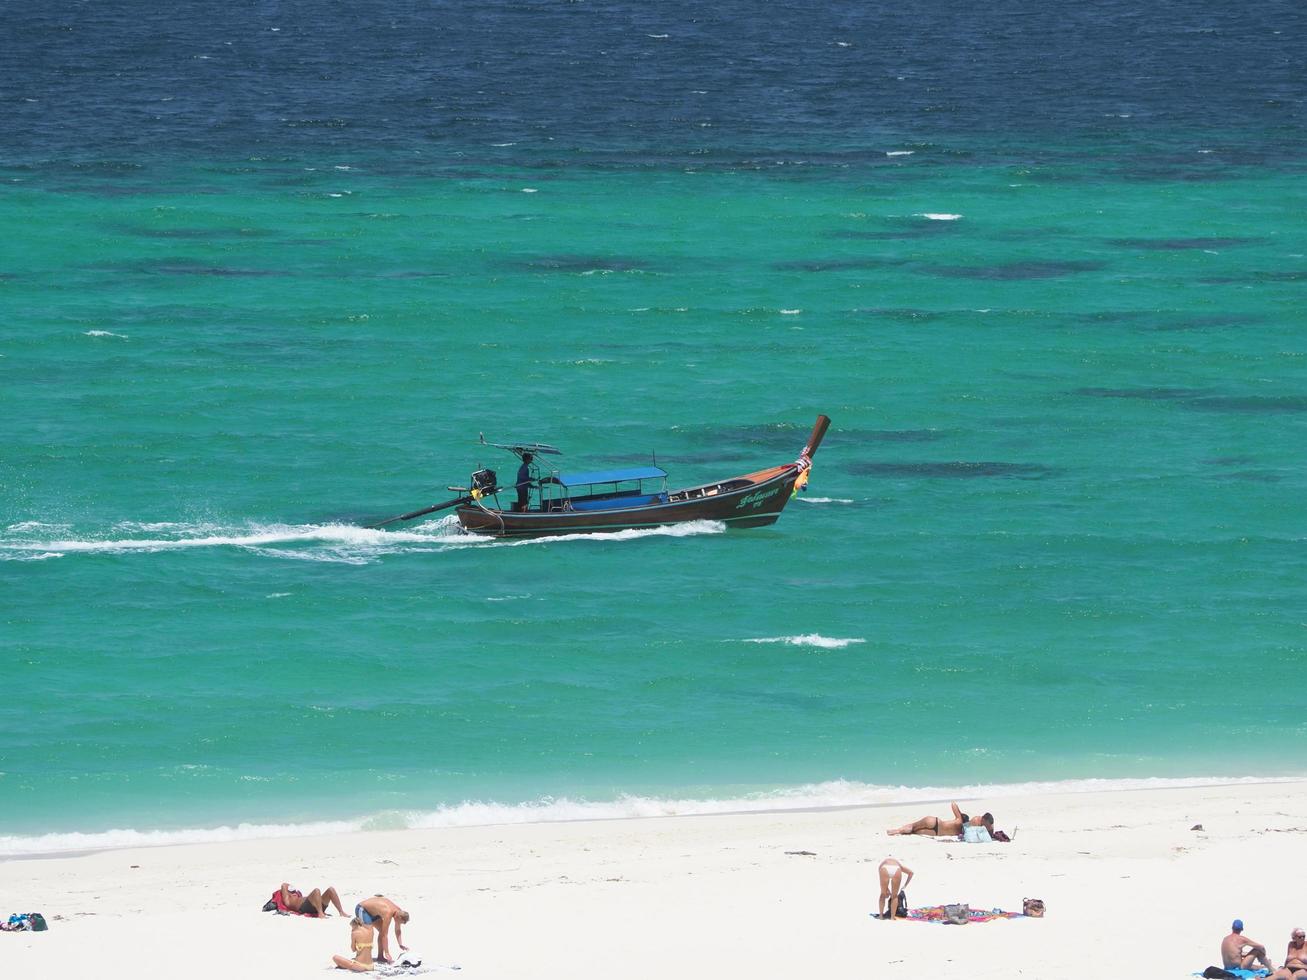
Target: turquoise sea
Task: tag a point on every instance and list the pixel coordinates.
(1055, 533)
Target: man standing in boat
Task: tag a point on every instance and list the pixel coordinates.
(524, 482)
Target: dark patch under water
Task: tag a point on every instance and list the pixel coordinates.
(1181, 244)
(1253, 476)
(218, 271)
(581, 263)
(1145, 394)
(1205, 401)
(193, 234)
(1014, 270)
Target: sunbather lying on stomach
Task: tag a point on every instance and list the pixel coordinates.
(943, 826)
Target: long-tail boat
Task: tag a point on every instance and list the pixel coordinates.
(564, 502)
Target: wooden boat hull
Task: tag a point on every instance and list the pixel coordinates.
(753, 500)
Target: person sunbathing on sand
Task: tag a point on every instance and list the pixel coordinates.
(892, 883)
(313, 904)
(360, 938)
(944, 827)
(379, 912)
(1295, 958)
(1240, 952)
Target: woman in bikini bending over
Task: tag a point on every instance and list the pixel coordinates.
(360, 939)
(892, 880)
(936, 826)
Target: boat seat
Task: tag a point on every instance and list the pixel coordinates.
(614, 503)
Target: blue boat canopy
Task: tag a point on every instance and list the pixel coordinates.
(611, 476)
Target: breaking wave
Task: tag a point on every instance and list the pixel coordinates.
(811, 640)
(476, 813)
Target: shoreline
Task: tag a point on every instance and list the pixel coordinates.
(771, 892)
(540, 813)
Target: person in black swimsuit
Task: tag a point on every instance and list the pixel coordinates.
(938, 826)
(314, 904)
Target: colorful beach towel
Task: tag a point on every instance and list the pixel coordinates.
(935, 913)
(1245, 974)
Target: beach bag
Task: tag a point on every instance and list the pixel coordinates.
(1219, 973)
(903, 904)
(1033, 907)
(36, 922)
(1001, 837)
(270, 905)
(957, 915)
(972, 834)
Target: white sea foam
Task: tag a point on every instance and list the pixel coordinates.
(478, 813)
(331, 543)
(105, 333)
(936, 216)
(824, 500)
(899, 153)
(326, 542)
(688, 529)
(811, 640)
(791, 312)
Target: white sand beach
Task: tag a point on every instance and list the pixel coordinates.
(1131, 891)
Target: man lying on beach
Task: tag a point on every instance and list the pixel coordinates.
(944, 827)
(1240, 952)
(313, 904)
(379, 912)
(1295, 958)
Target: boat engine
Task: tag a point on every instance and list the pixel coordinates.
(485, 481)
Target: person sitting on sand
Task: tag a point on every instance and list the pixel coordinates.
(313, 904)
(892, 882)
(944, 827)
(360, 938)
(1239, 952)
(1295, 958)
(379, 912)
